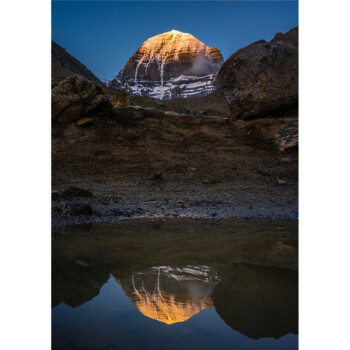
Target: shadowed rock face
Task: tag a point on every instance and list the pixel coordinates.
(171, 294)
(258, 301)
(290, 37)
(74, 98)
(61, 58)
(262, 78)
(75, 282)
(170, 65)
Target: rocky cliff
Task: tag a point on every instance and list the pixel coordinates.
(169, 65)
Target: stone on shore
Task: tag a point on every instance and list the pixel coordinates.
(76, 192)
(76, 208)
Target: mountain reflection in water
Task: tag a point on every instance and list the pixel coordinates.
(169, 294)
(247, 274)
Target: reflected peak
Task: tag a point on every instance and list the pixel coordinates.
(171, 295)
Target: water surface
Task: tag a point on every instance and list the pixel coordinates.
(177, 285)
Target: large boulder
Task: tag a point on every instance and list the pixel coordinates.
(76, 207)
(76, 192)
(122, 99)
(74, 98)
(262, 78)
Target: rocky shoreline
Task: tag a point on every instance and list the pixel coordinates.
(272, 213)
(170, 201)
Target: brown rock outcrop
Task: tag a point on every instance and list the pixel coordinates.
(262, 78)
(74, 98)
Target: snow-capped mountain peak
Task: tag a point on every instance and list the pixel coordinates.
(160, 67)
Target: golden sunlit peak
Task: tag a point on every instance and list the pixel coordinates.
(174, 31)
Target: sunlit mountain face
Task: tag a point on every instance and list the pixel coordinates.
(171, 294)
(169, 65)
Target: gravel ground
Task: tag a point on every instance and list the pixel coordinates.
(140, 167)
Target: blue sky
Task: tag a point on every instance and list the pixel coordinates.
(104, 34)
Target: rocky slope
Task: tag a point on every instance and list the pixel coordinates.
(262, 79)
(63, 63)
(169, 65)
(144, 163)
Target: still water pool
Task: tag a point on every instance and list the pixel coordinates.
(175, 285)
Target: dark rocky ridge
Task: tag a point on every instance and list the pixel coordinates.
(262, 79)
(61, 58)
(291, 37)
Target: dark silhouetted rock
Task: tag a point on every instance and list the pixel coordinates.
(76, 208)
(76, 192)
(56, 196)
(73, 283)
(290, 37)
(61, 58)
(258, 301)
(74, 98)
(262, 79)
